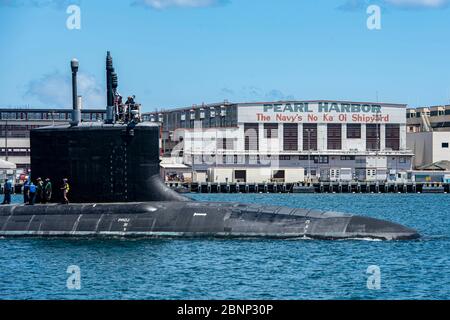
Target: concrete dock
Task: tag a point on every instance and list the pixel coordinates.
(319, 187)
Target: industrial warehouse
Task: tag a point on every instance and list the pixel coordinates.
(289, 141)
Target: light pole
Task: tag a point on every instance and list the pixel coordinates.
(309, 154)
(6, 140)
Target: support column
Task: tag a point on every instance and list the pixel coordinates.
(280, 137)
(403, 137)
(382, 136)
(321, 136)
(300, 136)
(363, 137)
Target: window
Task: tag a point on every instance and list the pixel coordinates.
(347, 158)
(335, 173)
(393, 136)
(270, 130)
(240, 175)
(15, 152)
(334, 136)
(402, 160)
(310, 136)
(279, 174)
(353, 131)
(34, 116)
(444, 144)
(225, 144)
(373, 136)
(320, 159)
(9, 115)
(251, 136)
(371, 173)
(290, 137)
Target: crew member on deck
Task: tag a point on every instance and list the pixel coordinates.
(48, 189)
(7, 190)
(32, 193)
(39, 190)
(26, 191)
(65, 188)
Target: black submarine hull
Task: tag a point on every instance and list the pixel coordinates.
(191, 219)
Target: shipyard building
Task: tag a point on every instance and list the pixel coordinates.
(428, 136)
(284, 141)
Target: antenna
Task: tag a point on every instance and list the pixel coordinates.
(76, 113)
(111, 85)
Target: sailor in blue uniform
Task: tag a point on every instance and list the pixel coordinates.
(26, 191)
(32, 193)
(7, 190)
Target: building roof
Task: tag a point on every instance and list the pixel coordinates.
(173, 166)
(7, 165)
(49, 110)
(443, 165)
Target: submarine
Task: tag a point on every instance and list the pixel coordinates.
(116, 190)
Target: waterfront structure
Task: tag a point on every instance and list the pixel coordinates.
(426, 119)
(429, 147)
(428, 134)
(16, 123)
(8, 170)
(329, 140)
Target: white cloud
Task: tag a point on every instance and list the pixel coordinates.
(164, 4)
(432, 4)
(55, 90)
(252, 93)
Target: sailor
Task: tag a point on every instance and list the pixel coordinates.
(65, 189)
(120, 108)
(26, 191)
(7, 190)
(48, 190)
(32, 194)
(39, 190)
(130, 100)
(129, 105)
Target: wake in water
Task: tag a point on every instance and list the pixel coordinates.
(361, 239)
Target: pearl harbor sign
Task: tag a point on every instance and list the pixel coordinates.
(322, 112)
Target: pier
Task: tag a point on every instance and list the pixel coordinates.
(319, 187)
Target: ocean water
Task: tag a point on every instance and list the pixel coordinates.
(245, 269)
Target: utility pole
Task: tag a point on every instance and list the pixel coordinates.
(192, 166)
(309, 155)
(6, 141)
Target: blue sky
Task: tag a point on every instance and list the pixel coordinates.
(172, 53)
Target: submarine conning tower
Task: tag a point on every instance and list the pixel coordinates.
(110, 161)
